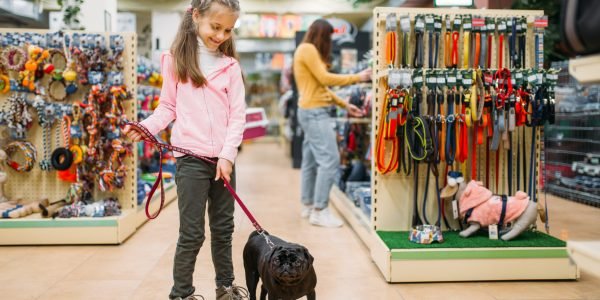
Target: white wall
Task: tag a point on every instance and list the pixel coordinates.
(94, 13)
(164, 29)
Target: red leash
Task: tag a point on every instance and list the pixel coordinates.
(148, 137)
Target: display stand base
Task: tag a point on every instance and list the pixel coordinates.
(483, 263)
(35, 230)
(586, 254)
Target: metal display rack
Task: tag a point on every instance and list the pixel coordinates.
(392, 209)
(35, 230)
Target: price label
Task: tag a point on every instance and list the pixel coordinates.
(513, 81)
(438, 25)
(457, 21)
(441, 80)
(502, 26)
(420, 24)
(455, 209)
(429, 19)
(432, 80)
(478, 22)
(467, 81)
(519, 75)
(540, 77)
(467, 26)
(452, 79)
(418, 79)
(532, 78)
(493, 231)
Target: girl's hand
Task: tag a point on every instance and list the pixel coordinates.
(134, 134)
(224, 169)
(354, 111)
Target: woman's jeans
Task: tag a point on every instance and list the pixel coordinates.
(320, 156)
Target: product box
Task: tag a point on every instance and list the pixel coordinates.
(256, 123)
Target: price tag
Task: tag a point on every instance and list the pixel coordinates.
(488, 78)
(441, 80)
(513, 81)
(532, 78)
(478, 22)
(509, 23)
(467, 26)
(419, 24)
(418, 79)
(519, 75)
(457, 21)
(467, 81)
(493, 231)
(438, 25)
(540, 77)
(519, 27)
(455, 209)
(429, 19)
(451, 79)
(432, 80)
(502, 26)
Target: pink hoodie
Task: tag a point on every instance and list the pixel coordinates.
(209, 120)
(487, 207)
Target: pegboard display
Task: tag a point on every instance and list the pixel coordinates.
(393, 190)
(105, 79)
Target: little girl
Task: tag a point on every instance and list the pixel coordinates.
(203, 92)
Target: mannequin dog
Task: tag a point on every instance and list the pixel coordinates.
(286, 270)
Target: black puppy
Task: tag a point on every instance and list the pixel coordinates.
(286, 271)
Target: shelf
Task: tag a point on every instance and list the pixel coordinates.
(421, 263)
(35, 230)
(354, 120)
(585, 69)
(575, 195)
(358, 221)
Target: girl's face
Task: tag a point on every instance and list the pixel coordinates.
(216, 25)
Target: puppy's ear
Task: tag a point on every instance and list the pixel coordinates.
(309, 257)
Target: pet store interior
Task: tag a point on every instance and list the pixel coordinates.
(453, 144)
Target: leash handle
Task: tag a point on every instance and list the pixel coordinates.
(148, 137)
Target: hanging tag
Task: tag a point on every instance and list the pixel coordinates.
(419, 24)
(438, 24)
(390, 22)
(405, 23)
(493, 231)
(478, 22)
(502, 25)
(511, 119)
(455, 209)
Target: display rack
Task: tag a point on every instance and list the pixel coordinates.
(392, 209)
(35, 230)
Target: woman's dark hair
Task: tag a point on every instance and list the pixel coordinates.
(319, 34)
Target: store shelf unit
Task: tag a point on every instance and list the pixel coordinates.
(35, 230)
(392, 209)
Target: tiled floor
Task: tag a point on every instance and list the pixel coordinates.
(141, 267)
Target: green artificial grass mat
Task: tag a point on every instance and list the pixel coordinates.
(399, 240)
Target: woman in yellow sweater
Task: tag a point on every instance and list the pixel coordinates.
(320, 156)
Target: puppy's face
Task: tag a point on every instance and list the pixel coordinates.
(289, 264)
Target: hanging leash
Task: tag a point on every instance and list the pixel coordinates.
(149, 138)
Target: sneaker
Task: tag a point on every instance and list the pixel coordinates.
(306, 211)
(232, 292)
(324, 218)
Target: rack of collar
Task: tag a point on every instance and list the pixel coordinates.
(64, 98)
(463, 94)
(460, 97)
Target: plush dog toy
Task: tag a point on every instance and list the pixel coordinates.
(480, 208)
(286, 270)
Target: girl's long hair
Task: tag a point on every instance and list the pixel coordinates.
(185, 45)
(319, 34)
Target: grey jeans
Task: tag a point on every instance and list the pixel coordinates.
(320, 156)
(197, 189)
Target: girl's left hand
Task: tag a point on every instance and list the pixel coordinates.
(224, 169)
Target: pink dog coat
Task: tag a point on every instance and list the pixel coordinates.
(487, 207)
